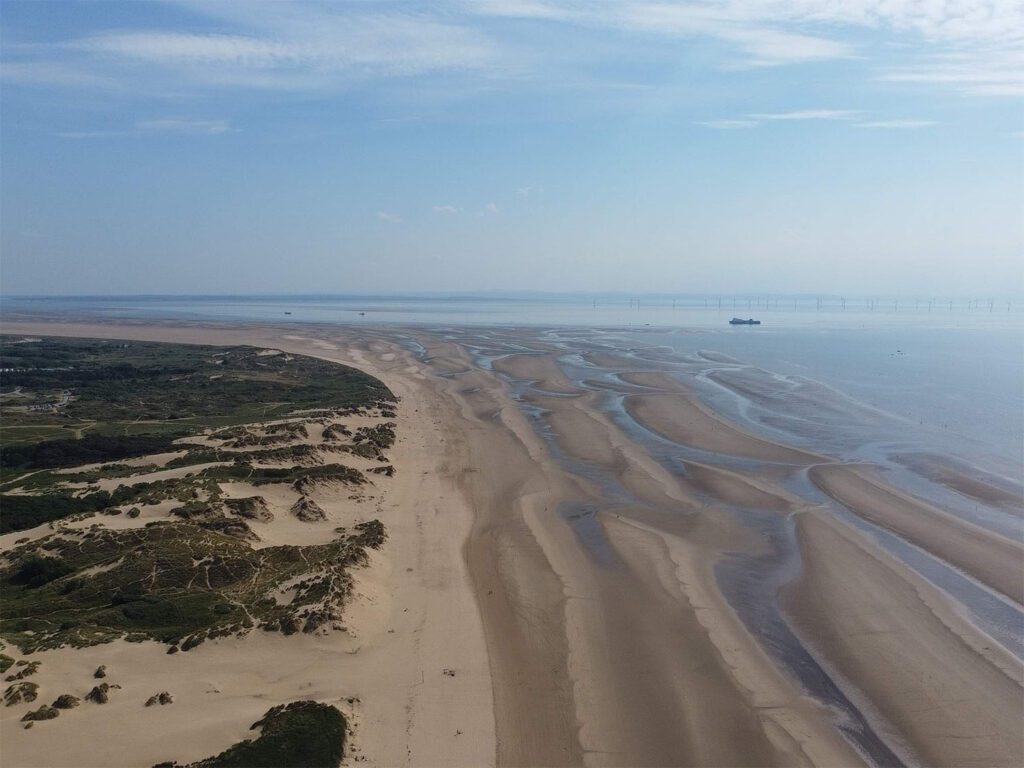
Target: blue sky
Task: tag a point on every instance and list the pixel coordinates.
(372, 146)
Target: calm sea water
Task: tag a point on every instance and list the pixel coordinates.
(955, 368)
(550, 309)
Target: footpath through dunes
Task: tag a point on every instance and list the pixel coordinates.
(950, 693)
(990, 558)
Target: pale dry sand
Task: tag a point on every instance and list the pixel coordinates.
(111, 483)
(154, 459)
(415, 616)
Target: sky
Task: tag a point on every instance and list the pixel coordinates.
(370, 146)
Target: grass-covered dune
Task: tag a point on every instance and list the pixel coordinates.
(164, 490)
(74, 402)
(175, 582)
(303, 734)
(63, 389)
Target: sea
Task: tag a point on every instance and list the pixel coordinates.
(949, 368)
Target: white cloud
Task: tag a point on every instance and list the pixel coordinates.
(774, 32)
(35, 73)
(293, 46)
(171, 125)
(446, 209)
(809, 114)
(91, 134)
(391, 218)
(524, 9)
(179, 125)
(307, 45)
(995, 75)
(896, 124)
(175, 48)
(491, 209)
(726, 125)
(760, 44)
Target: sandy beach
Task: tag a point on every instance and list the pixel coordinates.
(593, 594)
(414, 616)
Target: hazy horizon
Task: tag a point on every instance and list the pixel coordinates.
(185, 148)
(852, 298)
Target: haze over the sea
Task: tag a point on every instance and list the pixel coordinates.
(229, 147)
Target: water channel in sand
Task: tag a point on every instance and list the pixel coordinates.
(787, 408)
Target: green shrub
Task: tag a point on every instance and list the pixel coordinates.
(35, 571)
(303, 734)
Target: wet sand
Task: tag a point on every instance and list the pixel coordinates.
(953, 698)
(968, 481)
(988, 557)
(681, 420)
(571, 570)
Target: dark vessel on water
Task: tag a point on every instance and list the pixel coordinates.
(740, 321)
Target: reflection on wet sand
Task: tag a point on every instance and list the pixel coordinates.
(716, 608)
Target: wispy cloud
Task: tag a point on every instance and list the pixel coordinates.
(897, 124)
(184, 48)
(445, 209)
(165, 125)
(758, 43)
(998, 73)
(727, 125)
(479, 46)
(388, 216)
(755, 39)
(298, 45)
(815, 114)
(780, 32)
(490, 209)
(809, 114)
(91, 134)
(53, 73)
(180, 125)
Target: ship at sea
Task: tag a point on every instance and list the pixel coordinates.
(741, 321)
